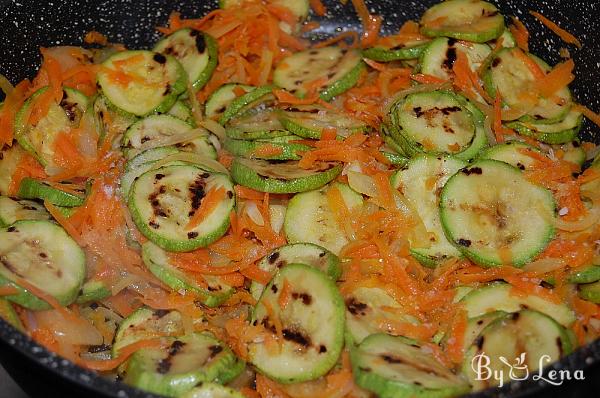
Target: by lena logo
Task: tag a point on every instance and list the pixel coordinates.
(519, 370)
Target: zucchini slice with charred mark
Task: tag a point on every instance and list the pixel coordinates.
(164, 200)
(395, 367)
(245, 102)
(42, 254)
(309, 121)
(302, 253)
(196, 51)
(282, 177)
(12, 210)
(261, 125)
(142, 82)
(10, 156)
(218, 101)
(495, 216)
(31, 188)
(561, 132)
(511, 152)
(402, 52)
(312, 325)
(439, 56)
(339, 70)
(470, 20)
(181, 365)
(278, 148)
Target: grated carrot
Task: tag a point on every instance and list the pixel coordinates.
(267, 150)
(563, 34)
(427, 79)
(520, 33)
(124, 354)
(558, 78)
(212, 199)
(12, 103)
(587, 112)
(8, 290)
(284, 295)
(318, 7)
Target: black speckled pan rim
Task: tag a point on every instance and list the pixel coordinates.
(28, 24)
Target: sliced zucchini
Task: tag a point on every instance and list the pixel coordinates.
(301, 253)
(392, 367)
(590, 292)
(278, 148)
(470, 20)
(511, 152)
(39, 140)
(31, 188)
(501, 296)
(309, 218)
(42, 254)
(220, 99)
(164, 200)
(526, 337)
(440, 54)
(560, 132)
(180, 366)
(309, 121)
(8, 313)
(508, 40)
(585, 275)
(339, 69)
(152, 132)
(142, 82)
(476, 325)
(312, 325)
(141, 164)
(438, 122)
(369, 307)
(212, 390)
(421, 183)
(110, 119)
(12, 210)
(282, 177)
(256, 126)
(158, 263)
(182, 111)
(495, 216)
(401, 52)
(146, 323)
(395, 159)
(196, 51)
(573, 152)
(10, 156)
(239, 105)
(513, 78)
(93, 290)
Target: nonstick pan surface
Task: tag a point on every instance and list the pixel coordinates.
(28, 24)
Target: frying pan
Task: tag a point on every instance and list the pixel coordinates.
(28, 24)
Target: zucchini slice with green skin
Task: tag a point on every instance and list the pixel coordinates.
(300, 253)
(312, 324)
(155, 81)
(12, 210)
(500, 296)
(150, 155)
(401, 52)
(287, 147)
(10, 156)
(525, 335)
(470, 20)
(157, 262)
(256, 126)
(476, 325)
(182, 111)
(438, 122)
(31, 188)
(146, 323)
(560, 132)
(93, 290)
(585, 275)
(239, 105)
(340, 68)
(39, 140)
(282, 177)
(495, 216)
(393, 367)
(573, 152)
(513, 78)
(186, 362)
(220, 99)
(366, 307)
(8, 313)
(152, 131)
(590, 292)
(309, 121)
(163, 201)
(212, 390)
(510, 152)
(109, 118)
(395, 159)
(44, 255)
(196, 51)
(309, 218)
(440, 54)
(421, 183)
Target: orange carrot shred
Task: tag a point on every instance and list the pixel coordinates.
(318, 7)
(207, 205)
(520, 33)
(124, 354)
(563, 34)
(284, 296)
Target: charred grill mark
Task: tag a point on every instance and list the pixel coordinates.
(296, 337)
(214, 351)
(559, 344)
(274, 288)
(164, 365)
(496, 62)
(520, 166)
(355, 307)
(12, 229)
(448, 62)
(230, 194)
(145, 139)
(479, 342)
(7, 264)
(94, 349)
(322, 349)
(192, 235)
(306, 298)
(197, 192)
(159, 58)
(200, 43)
(43, 255)
(472, 170)
(464, 242)
(160, 313)
(391, 359)
(159, 177)
(153, 224)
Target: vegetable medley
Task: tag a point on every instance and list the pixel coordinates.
(239, 212)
